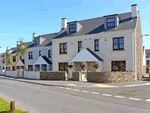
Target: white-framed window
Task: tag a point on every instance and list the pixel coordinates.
(37, 41)
(110, 22)
(72, 28)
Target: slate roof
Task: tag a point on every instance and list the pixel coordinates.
(46, 59)
(100, 59)
(90, 26)
(22, 61)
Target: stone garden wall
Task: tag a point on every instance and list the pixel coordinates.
(75, 75)
(110, 77)
(53, 75)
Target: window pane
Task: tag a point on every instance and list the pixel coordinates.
(66, 66)
(110, 20)
(120, 40)
(115, 46)
(80, 44)
(65, 50)
(72, 26)
(80, 48)
(115, 41)
(96, 42)
(115, 65)
(61, 45)
(97, 47)
(122, 66)
(121, 45)
(65, 45)
(61, 50)
(110, 24)
(61, 67)
(72, 29)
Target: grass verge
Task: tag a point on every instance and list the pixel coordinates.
(5, 107)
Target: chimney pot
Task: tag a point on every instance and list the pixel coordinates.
(34, 35)
(134, 10)
(64, 23)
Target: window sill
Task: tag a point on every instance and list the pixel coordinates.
(63, 54)
(118, 50)
(30, 59)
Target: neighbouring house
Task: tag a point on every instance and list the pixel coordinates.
(147, 58)
(1, 61)
(16, 59)
(39, 54)
(114, 42)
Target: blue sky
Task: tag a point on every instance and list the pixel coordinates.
(21, 18)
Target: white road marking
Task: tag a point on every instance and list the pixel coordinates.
(76, 90)
(56, 86)
(119, 96)
(61, 87)
(107, 95)
(136, 85)
(84, 91)
(148, 100)
(94, 93)
(134, 98)
(68, 88)
(71, 84)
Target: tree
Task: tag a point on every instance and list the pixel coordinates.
(7, 58)
(21, 48)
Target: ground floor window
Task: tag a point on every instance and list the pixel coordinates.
(63, 66)
(13, 68)
(30, 67)
(118, 65)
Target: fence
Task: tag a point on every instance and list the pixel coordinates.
(32, 74)
(11, 73)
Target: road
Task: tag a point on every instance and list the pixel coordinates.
(72, 99)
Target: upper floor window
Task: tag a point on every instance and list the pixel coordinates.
(147, 55)
(49, 53)
(79, 46)
(40, 52)
(30, 55)
(118, 43)
(96, 45)
(118, 65)
(14, 58)
(37, 41)
(72, 28)
(110, 22)
(63, 48)
(20, 57)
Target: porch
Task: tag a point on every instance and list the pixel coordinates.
(42, 64)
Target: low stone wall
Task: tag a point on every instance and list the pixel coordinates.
(53, 75)
(110, 77)
(75, 76)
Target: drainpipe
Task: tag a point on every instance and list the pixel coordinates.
(133, 52)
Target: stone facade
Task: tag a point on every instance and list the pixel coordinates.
(75, 75)
(52, 75)
(110, 77)
(138, 48)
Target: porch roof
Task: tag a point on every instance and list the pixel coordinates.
(86, 55)
(42, 60)
(20, 63)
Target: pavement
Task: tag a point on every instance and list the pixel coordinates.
(36, 98)
(145, 82)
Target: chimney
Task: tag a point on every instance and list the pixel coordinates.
(18, 43)
(134, 10)
(63, 23)
(34, 35)
(8, 48)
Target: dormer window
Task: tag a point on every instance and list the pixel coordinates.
(37, 41)
(110, 22)
(72, 28)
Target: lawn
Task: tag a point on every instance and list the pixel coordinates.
(5, 107)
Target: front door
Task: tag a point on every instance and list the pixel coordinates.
(63, 66)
